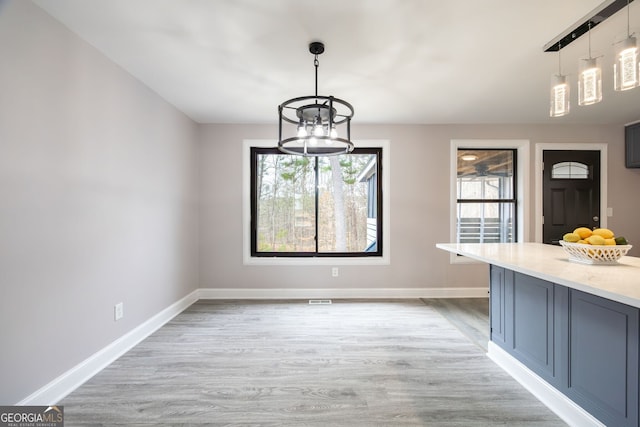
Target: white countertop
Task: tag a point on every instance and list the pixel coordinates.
(620, 282)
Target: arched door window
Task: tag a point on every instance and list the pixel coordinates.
(570, 170)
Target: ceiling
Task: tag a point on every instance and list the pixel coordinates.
(475, 163)
(396, 61)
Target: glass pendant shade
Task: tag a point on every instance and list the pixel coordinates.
(559, 103)
(590, 82)
(627, 66)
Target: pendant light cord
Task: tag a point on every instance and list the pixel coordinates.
(559, 59)
(589, 39)
(628, 19)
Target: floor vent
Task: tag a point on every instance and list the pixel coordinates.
(319, 301)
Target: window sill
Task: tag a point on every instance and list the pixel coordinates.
(284, 261)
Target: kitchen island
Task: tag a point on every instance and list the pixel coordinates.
(569, 332)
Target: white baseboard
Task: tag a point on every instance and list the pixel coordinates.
(360, 293)
(565, 408)
(60, 387)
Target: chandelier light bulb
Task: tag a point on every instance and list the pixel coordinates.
(627, 65)
(590, 82)
(590, 79)
(559, 96)
(302, 131)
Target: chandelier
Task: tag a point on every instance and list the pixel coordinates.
(626, 65)
(315, 125)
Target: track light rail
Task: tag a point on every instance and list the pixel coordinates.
(593, 18)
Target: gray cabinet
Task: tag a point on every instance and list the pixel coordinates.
(498, 301)
(584, 345)
(532, 313)
(603, 358)
(632, 145)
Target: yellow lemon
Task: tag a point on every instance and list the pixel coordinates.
(604, 232)
(596, 240)
(583, 232)
(584, 242)
(610, 242)
(571, 237)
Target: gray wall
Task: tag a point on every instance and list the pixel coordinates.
(98, 201)
(420, 212)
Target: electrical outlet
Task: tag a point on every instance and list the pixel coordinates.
(334, 272)
(118, 311)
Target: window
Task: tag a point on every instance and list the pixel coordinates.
(486, 208)
(302, 207)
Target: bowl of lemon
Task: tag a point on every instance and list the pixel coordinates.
(598, 246)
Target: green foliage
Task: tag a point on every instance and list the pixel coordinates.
(286, 209)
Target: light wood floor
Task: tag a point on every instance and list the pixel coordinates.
(469, 315)
(273, 363)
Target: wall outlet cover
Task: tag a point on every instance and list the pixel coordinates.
(118, 311)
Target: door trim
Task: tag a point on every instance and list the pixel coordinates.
(538, 179)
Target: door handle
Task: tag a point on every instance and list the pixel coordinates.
(596, 218)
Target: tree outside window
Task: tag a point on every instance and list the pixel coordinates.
(315, 206)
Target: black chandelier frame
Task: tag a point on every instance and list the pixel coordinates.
(327, 113)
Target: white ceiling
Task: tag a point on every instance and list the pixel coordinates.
(396, 61)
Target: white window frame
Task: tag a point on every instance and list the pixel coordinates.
(522, 184)
(247, 259)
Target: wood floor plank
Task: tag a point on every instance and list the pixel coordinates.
(469, 315)
(288, 363)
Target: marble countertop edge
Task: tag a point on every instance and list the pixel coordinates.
(619, 282)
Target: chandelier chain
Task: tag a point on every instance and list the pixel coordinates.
(316, 63)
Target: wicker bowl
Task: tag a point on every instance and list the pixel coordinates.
(592, 254)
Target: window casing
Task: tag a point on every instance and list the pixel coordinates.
(486, 193)
(294, 201)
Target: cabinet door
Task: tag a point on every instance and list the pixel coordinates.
(497, 301)
(632, 145)
(533, 324)
(603, 358)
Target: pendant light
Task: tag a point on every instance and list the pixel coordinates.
(559, 103)
(590, 79)
(626, 68)
(312, 125)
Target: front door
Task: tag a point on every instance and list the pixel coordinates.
(570, 192)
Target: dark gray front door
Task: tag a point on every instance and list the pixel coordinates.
(570, 192)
